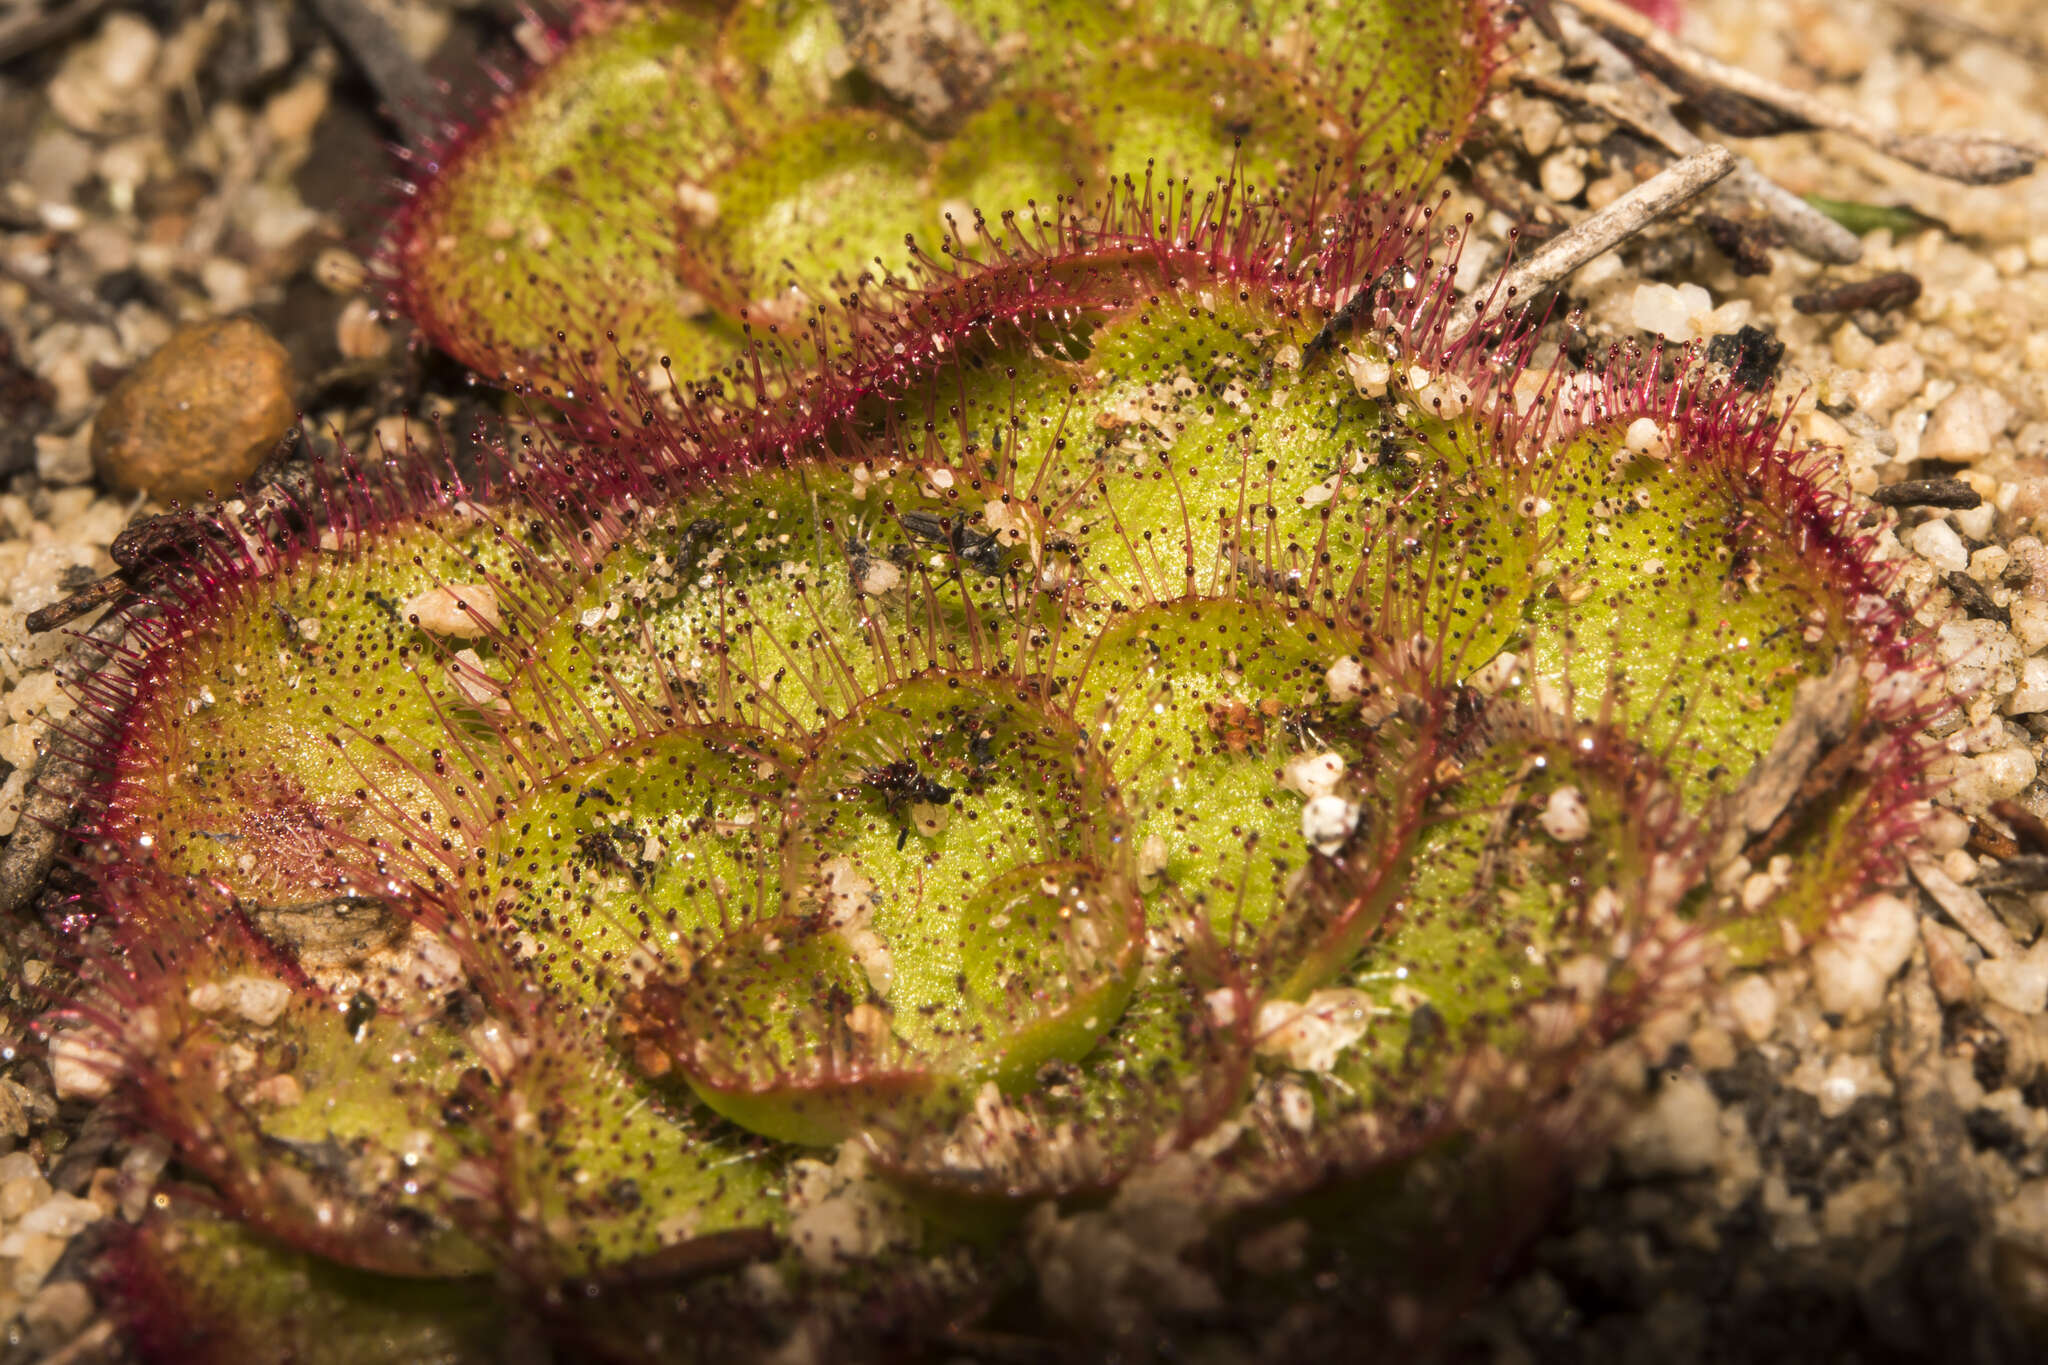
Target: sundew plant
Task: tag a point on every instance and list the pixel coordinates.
(1089, 783)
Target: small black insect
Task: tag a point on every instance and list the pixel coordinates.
(362, 1008)
(981, 551)
(598, 849)
(1751, 355)
(860, 558)
(470, 1098)
(595, 846)
(704, 529)
(902, 785)
(389, 605)
(1426, 1028)
(697, 539)
(1352, 310)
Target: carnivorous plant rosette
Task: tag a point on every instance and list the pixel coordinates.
(1127, 769)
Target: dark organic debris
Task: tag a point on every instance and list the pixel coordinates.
(1745, 243)
(922, 53)
(2021, 873)
(1972, 598)
(1804, 760)
(1950, 493)
(981, 551)
(411, 97)
(1880, 293)
(1751, 355)
(97, 593)
(2027, 827)
(25, 403)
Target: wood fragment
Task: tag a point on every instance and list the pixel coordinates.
(1624, 94)
(412, 99)
(330, 933)
(2027, 827)
(922, 53)
(61, 774)
(1655, 198)
(1986, 842)
(1745, 243)
(2019, 873)
(1951, 493)
(1880, 293)
(24, 34)
(1967, 910)
(1827, 775)
(1734, 114)
(1971, 597)
(97, 593)
(694, 1258)
(1808, 744)
(1969, 158)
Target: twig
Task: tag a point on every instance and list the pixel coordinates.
(412, 99)
(1933, 1129)
(1951, 1209)
(1623, 94)
(98, 1335)
(920, 52)
(1969, 911)
(61, 773)
(33, 32)
(56, 297)
(1599, 232)
(1810, 749)
(1938, 15)
(1971, 158)
(694, 1258)
(97, 593)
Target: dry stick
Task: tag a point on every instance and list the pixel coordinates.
(1936, 14)
(1623, 93)
(33, 32)
(61, 773)
(1801, 226)
(1619, 221)
(1969, 911)
(1950, 1202)
(922, 53)
(1972, 158)
(411, 97)
(1933, 1133)
(56, 297)
(87, 1345)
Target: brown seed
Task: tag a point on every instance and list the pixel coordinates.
(339, 271)
(360, 333)
(198, 416)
